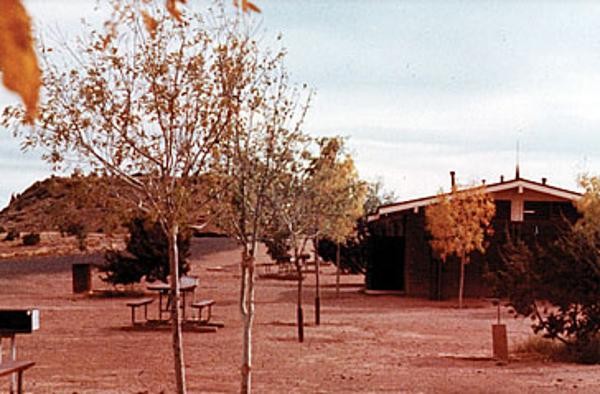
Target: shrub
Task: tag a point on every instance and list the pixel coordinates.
(12, 235)
(353, 256)
(79, 230)
(566, 275)
(146, 254)
(31, 239)
(278, 247)
(544, 348)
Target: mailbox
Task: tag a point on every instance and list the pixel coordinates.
(19, 321)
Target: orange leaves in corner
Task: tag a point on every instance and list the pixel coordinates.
(18, 61)
(246, 5)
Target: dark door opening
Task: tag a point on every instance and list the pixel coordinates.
(386, 268)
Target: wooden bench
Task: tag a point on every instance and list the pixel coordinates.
(10, 367)
(137, 303)
(201, 305)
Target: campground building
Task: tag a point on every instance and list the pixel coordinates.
(402, 261)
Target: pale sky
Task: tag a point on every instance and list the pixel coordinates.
(420, 87)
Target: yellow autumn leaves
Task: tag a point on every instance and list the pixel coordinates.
(459, 221)
(18, 61)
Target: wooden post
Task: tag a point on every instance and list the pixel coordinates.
(500, 342)
(299, 314)
(499, 338)
(317, 284)
(300, 318)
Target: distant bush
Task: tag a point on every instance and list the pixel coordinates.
(31, 239)
(146, 254)
(353, 252)
(278, 247)
(12, 235)
(79, 230)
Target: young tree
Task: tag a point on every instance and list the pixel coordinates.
(458, 223)
(352, 254)
(319, 195)
(589, 206)
(337, 196)
(291, 202)
(265, 141)
(149, 107)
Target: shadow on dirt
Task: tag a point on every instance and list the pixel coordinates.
(45, 264)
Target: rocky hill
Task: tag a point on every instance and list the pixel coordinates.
(57, 202)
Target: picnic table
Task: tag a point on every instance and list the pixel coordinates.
(187, 285)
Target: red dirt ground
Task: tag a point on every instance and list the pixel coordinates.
(365, 344)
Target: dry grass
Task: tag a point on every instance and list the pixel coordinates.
(554, 350)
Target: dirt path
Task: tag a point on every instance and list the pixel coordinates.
(366, 344)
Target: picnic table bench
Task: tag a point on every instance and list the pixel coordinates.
(13, 366)
(138, 303)
(200, 305)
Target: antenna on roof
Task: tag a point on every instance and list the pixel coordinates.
(517, 172)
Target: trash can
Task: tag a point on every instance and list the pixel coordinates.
(82, 278)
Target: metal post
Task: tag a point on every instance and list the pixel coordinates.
(498, 305)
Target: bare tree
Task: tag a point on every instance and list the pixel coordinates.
(320, 195)
(149, 100)
(263, 145)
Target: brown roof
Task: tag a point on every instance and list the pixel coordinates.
(491, 188)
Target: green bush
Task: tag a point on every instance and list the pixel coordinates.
(79, 230)
(31, 239)
(12, 235)
(278, 247)
(353, 252)
(146, 254)
(558, 287)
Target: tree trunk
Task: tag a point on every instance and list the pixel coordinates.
(176, 310)
(299, 313)
(461, 285)
(247, 311)
(337, 270)
(317, 284)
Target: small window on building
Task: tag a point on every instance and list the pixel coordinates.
(537, 210)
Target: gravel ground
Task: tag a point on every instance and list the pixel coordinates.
(365, 344)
